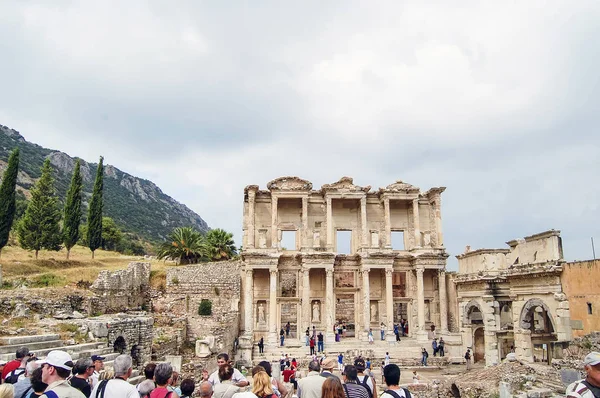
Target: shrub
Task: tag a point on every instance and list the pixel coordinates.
(205, 307)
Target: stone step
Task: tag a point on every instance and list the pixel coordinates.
(33, 346)
(73, 350)
(25, 340)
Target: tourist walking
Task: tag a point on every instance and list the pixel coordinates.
(382, 330)
(281, 337)
(312, 346)
(415, 377)
(434, 346)
(468, 358)
(396, 332)
(590, 386)
(288, 327)
(371, 336)
(424, 356)
(387, 359)
(441, 345)
(341, 362)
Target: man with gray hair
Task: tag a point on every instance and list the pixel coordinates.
(206, 389)
(82, 371)
(117, 387)
(23, 386)
(312, 384)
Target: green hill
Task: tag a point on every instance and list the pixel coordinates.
(137, 205)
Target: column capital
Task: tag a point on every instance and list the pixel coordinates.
(365, 271)
(249, 271)
(329, 272)
(389, 272)
(273, 272)
(441, 272)
(420, 270)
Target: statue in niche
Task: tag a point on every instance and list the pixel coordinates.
(261, 313)
(316, 313)
(374, 314)
(316, 238)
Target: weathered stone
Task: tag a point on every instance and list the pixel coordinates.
(123, 289)
(21, 310)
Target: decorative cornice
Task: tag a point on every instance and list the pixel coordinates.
(400, 187)
(289, 184)
(344, 185)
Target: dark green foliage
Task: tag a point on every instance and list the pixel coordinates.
(184, 244)
(220, 245)
(111, 234)
(7, 197)
(205, 307)
(39, 228)
(94, 232)
(72, 212)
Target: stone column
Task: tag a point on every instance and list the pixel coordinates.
(273, 333)
(304, 230)
(366, 301)
(389, 305)
(249, 303)
(420, 329)
(443, 301)
(305, 299)
(274, 237)
(416, 222)
(329, 306)
(363, 222)
(250, 225)
(388, 223)
(329, 225)
(438, 219)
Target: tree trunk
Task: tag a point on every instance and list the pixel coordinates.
(68, 252)
(36, 254)
(1, 251)
(92, 254)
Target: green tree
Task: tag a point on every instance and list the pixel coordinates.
(184, 244)
(7, 197)
(111, 234)
(72, 211)
(94, 229)
(219, 245)
(39, 228)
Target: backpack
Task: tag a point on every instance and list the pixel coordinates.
(13, 376)
(395, 394)
(467, 355)
(26, 392)
(365, 385)
(51, 394)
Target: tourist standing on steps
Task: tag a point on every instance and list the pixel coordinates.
(261, 345)
(434, 346)
(281, 337)
(320, 342)
(341, 362)
(312, 346)
(119, 387)
(415, 377)
(441, 345)
(424, 356)
(468, 358)
(56, 368)
(590, 386)
(391, 375)
(238, 378)
(382, 330)
(370, 336)
(288, 327)
(387, 359)
(307, 336)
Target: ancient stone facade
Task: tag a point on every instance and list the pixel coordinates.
(217, 282)
(121, 290)
(580, 283)
(343, 253)
(512, 300)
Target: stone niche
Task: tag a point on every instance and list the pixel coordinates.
(288, 282)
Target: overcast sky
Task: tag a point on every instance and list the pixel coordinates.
(497, 102)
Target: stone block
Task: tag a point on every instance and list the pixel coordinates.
(568, 376)
(505, 390)
(175, 361)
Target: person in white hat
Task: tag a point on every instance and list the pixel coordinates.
(56, 368)
(590, 386)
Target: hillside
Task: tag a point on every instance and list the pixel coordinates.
(136, 205)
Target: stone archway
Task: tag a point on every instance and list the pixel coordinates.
(473, 315)
(478, 345)
(120, 345)
(536, 317)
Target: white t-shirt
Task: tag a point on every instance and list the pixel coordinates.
(369, 381)
(245, 394)
(400, 393)
(236, 378)
(117, 388)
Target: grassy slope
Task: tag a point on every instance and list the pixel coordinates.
(54, 269)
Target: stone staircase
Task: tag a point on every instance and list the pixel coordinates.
(407, 352)
(42, 344)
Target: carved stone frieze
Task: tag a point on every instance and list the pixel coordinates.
(289, 184)
(345, 184)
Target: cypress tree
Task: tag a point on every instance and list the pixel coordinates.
(40, 226)
(7, 197)
(72, 212)
(94, 230)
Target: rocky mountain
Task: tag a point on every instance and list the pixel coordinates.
(136, 205)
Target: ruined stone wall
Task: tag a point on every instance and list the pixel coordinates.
(121, 290)
(218, 282)
(580, 284)
(48, 301)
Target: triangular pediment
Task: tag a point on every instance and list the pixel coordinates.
(400, 186)
(289, 184)
(345, 184)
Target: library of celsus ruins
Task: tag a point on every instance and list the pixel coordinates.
(342, 253)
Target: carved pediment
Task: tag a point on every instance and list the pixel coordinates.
(400, 186)
(289, 184)
(345, 184)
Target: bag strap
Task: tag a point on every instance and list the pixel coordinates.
(101, 388)
(407, 393)
(393, 393)
(346, 389)
(51, 394)
(26, 391)
(366, 385)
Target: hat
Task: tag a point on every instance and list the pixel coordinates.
(359, 363)
(328, 363)
(97, 358)
(593, 358)
(58, 359)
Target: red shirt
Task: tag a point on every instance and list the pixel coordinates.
(9, 367)
(312, 342)
(287, 374)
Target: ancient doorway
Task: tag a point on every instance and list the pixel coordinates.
(345, 312)
(289, 313)
(401, 311)
(120, 345)
(478, 345)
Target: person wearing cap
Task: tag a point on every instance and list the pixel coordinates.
(590, 386)
(311, 385)
(365, 380)
(56, 368)
(98, 366)
(118, 387)
(327, 365)
(21, 354)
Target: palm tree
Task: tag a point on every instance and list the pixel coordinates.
(219, 245)
(184, 244)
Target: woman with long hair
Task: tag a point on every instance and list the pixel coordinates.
(7, 391)
(332, 388)
(261, 386)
